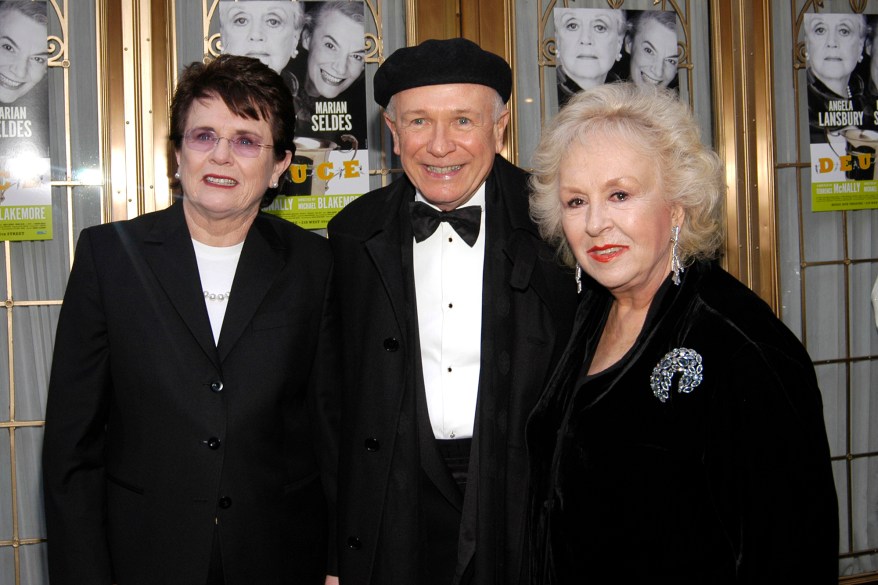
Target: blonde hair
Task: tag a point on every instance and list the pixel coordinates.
(653, 120)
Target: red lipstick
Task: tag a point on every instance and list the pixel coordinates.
(607, 252)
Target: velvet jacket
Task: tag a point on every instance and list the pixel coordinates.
(156, 437)
(728, 483)
(528, 304)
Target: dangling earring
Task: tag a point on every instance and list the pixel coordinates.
(578, 278)
(676, 265)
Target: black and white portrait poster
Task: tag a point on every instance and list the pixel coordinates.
(602, 45)
(841, 68)
(25, 192)
(319, 48)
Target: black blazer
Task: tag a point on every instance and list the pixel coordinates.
(154, 434)
(528, 303)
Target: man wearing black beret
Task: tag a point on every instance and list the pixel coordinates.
(452, 313)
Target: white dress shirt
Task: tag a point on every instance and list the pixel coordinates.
(448, 285)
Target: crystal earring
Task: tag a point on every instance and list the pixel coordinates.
(273, 185)
(676, 265)
(578, 277)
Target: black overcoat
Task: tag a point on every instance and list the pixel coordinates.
(154, 434)
(528, 303)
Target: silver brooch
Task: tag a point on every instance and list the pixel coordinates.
(682, 360)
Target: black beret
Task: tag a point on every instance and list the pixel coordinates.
(436, 62)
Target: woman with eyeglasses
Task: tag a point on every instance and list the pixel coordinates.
(187, 439)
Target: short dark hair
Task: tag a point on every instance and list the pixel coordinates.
(249, 88)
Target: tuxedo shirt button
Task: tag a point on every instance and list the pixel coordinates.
(354, 543)
(391, 344)
(214, 443)
(216, 387)
(372, 444)
(225, 502)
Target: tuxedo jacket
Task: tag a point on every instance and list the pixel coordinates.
(156, 437)
(528, 302)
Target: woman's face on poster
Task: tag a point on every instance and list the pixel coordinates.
(336, 53)
(834, 44)
(589, 42)
(23, 55)
(268, 31)
(653, 50)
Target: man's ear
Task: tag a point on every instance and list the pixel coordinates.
(392, 126)
(500, 130)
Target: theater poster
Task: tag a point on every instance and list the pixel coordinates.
(319, 49)
(25, 191)
(594, 46)
(842, 82)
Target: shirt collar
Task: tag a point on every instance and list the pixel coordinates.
(478, 198)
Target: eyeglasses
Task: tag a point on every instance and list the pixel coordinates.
(205, 140)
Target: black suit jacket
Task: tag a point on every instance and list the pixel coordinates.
(528, 303)
(154, 435)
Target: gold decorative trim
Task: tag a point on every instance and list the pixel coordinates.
(411, 22)
(512, 128)
(375, 42)
(212, 43)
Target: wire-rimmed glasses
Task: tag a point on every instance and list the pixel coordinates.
(205, 140)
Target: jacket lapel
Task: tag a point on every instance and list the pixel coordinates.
(261, 261)
(513, 265)
(385, 249)
(169, 253)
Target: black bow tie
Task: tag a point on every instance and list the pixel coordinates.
(464, 220)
